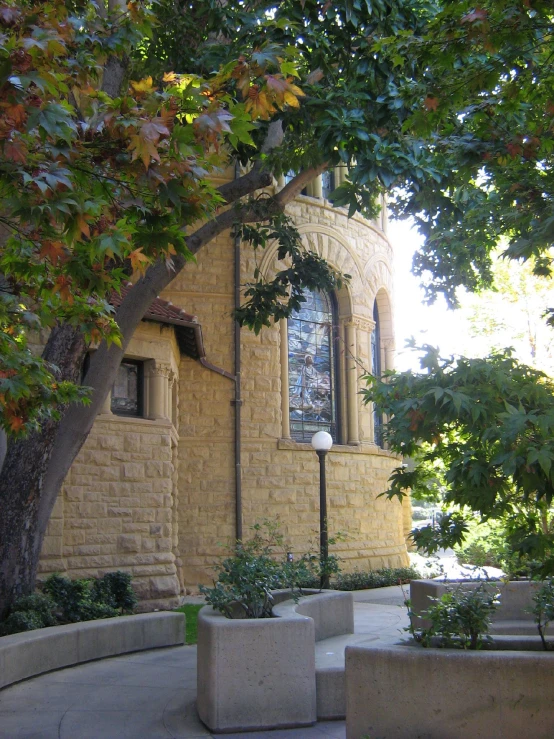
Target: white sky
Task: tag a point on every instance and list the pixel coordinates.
(435, 324)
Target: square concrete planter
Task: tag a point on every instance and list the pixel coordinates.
(255, 673)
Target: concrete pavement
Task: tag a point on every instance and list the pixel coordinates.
(151, 695)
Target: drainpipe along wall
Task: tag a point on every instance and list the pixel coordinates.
(237, 401)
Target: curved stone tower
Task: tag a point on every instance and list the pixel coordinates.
(154, 490)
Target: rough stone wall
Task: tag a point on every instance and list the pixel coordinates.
(157, 497)
(116, 508)
(280, 477)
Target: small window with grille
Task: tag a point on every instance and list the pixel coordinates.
(127, 391)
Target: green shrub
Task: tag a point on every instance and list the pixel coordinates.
(68, 601)
(28, 613)
(85, 600)
(258, 566)
(543, 609)
(114, 589)
(375, 578)
(460, 618)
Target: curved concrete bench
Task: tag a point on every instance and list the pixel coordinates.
(260, 673)
(400, 692)
(34, 652)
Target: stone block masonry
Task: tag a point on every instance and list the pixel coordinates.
(115, 510)
(155, 496)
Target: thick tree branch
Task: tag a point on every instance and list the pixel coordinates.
(250, 182)
(298, 183)
(78, 420)
(257, 177)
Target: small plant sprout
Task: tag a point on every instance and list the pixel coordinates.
(543, 609)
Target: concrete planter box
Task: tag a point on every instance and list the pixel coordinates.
(402, 692)
(260, 673)
(512, 617)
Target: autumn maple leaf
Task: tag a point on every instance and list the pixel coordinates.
(431, 102)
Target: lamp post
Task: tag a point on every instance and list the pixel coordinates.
(322, 442)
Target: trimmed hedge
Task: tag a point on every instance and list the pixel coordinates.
(375, 578)
(68, 601)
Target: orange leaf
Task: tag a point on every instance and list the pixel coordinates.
(16, 423)
(16, 151)
(52, 250)
(431, 102)
(17, 113)
(63, 286)
(139, 261)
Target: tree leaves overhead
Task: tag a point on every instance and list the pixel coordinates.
(486, 426)
(448, 102)
(95, 188)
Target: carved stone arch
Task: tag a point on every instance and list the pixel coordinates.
(335, 249)
(378, 274)
(384, 307)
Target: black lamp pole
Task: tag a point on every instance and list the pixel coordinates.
(323, 533)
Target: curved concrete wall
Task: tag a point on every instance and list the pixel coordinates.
(275, 659)
(401, 692)
(34, 652)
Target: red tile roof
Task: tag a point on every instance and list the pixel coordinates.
(187, 329)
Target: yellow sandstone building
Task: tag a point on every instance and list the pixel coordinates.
(208, 427)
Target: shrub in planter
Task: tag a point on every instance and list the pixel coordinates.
(258, 566)
(459, 618)
(543, 609)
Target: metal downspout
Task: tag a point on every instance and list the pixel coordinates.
(238, 400)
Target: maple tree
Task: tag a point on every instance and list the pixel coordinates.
(114, 116)
(481, 431)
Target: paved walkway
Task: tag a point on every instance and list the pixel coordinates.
(151, 695)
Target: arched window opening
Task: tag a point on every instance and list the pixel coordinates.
(313, 367)
(377, 371)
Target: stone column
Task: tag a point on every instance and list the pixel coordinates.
(351, 383)
(340, 174)
(107, 405)
(317, 187)
(157, 395)
(285, 410)
(388, 348)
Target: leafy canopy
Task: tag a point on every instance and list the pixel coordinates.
(448, 103)
(485, 429)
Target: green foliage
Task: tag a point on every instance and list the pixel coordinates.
(543, 609)
(375, 578)
(28, 613)
(490, 424)
(258, 566)
(69, 601)
(190, 610)
(448, 103)
(114, 589)
(460, 618)
(83, 600)
(278, 298)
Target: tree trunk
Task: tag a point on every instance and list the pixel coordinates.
(22, 480)
(35, 468)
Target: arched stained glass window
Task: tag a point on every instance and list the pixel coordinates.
(312, 370)
(376, 370)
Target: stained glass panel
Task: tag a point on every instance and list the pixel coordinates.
(311, 368)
